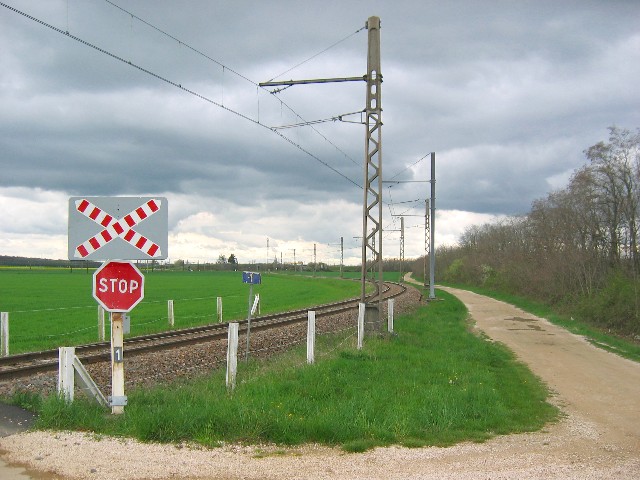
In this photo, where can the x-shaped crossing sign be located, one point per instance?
(102, 228)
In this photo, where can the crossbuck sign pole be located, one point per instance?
(118, 287)
(118, 399)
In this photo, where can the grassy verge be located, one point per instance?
(434, 383)
(600, 338)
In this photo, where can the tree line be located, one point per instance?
(577, 248)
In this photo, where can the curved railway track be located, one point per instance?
(22, 365)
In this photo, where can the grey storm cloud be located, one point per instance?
(508, 94)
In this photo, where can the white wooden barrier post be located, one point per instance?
(170, 313)
(256, 305)
(118, 399)
(311, 336)
(361, 310)
(4, 334)
(219, 309)
(70, 369)
(101, 329)
(391, 303)
(66, 373)
(232, 355)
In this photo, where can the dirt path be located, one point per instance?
(598, 438)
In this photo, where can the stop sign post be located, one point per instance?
(118, 287)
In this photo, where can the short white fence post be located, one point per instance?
(101, 331)
(361, 310)
(391, 303)
(66, 372)
(256, 304)
(311, 336)
(232, 355)
(219, 309)
(69, 368)
(170, 313)
(4, 334)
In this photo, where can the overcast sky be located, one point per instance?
(507, 93)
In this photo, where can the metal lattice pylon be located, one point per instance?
(372, 206)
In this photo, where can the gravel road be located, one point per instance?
(597, 438)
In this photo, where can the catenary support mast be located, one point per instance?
(372, 205)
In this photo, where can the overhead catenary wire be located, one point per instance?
(225, 67)
(409, 166)
(195, 50)
(324, 120)
(318, 54)
(184, 89)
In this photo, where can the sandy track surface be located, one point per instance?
(598, 436)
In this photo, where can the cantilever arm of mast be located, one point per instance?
(317, 80)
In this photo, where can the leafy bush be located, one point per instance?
(616, 306)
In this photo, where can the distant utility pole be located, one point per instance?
(429, 226)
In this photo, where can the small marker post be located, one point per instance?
(118, 399)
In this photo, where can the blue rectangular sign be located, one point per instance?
(251, 277)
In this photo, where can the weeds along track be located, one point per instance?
(26, 364)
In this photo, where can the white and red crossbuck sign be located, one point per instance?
(121, 227)
(114, 228)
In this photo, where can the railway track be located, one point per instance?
(24, 365)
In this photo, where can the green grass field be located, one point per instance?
(434, 383)
(49, 308)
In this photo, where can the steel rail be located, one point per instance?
(25, 364)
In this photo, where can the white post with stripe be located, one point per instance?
(256, 304)
(390, 306)
(66, 373)
(170, 314)
(4, 334)
(232, 355)
(361, 310)
(219, 309)
(311, 336)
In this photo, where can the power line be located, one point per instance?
(184, 89)
(225, 67)
(319, 53)
(180, 41)
(409, 166)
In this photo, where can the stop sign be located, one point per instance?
(118, 286)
